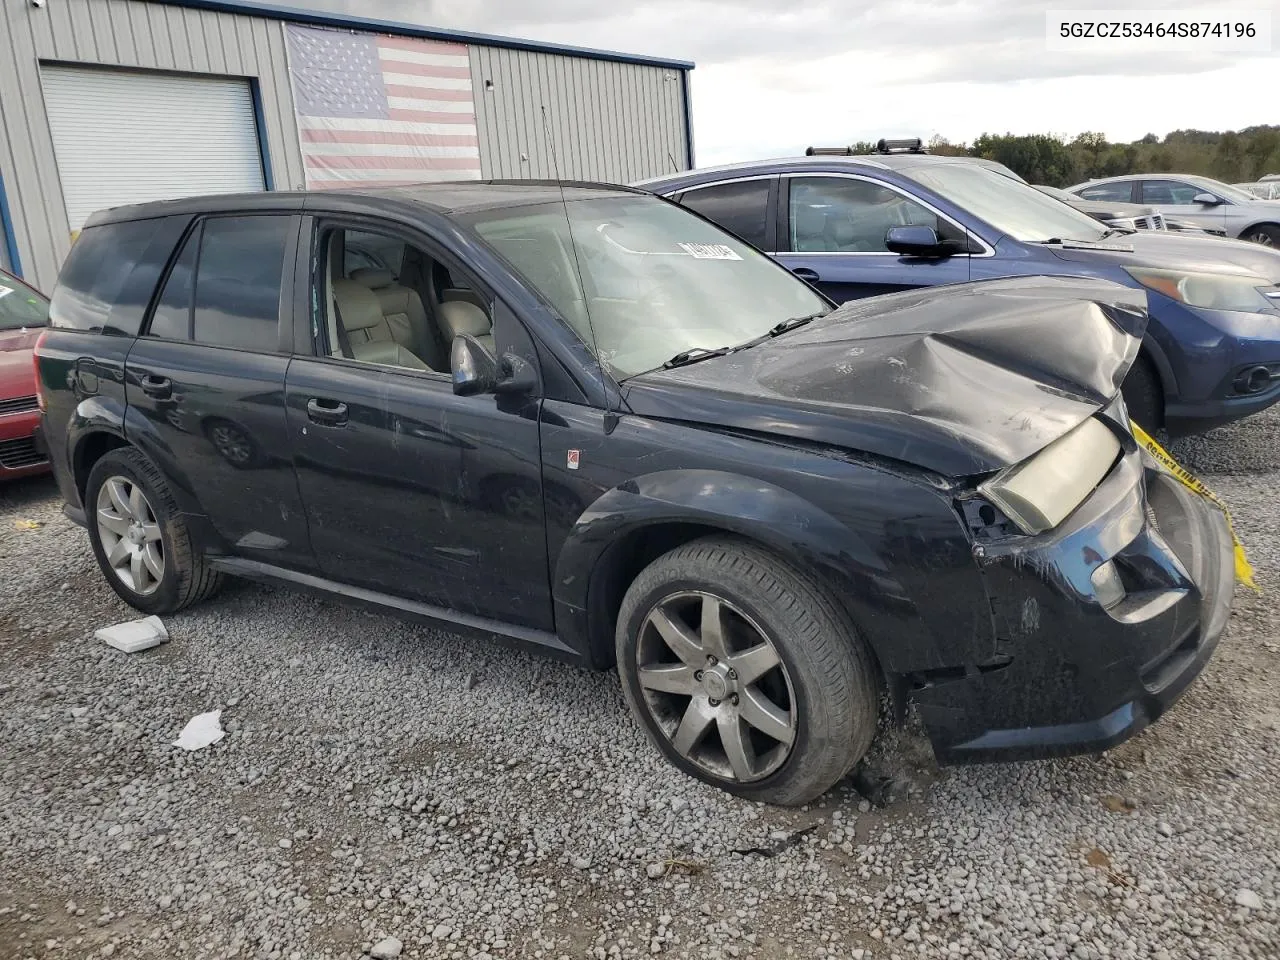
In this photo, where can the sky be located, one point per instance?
(775, 76)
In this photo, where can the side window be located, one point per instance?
(111, 273)
(1172, 192)
(741, 208)
(1121, 192)
(238, 281)
(841, 215)
(171, 318)
(391, 312)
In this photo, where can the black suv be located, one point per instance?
(586, 420)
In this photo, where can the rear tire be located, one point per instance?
(139, 537)
(781, 725)
(1144, 395)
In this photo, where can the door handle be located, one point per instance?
(159, 387)
(331, 413)
(805, 274)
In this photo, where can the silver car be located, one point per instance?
(1209, 204)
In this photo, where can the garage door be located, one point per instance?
(123, 137)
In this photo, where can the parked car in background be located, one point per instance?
(24, 311)
(1122, 216)
(770, 511)
(859, 226)
(1269, 190)
(1207, 203)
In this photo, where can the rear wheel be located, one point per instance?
(1144, 395)
(1266, 234)
(139, 537)
(746, 673)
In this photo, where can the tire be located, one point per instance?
(1267, 234)
(1144, 395)
(824, 683)
(185, 576)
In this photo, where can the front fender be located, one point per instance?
(753, 509)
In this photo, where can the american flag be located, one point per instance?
(379, 109)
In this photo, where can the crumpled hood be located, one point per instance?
(961, 380)
(1176, 251)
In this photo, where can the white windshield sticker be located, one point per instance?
(5, 291)
(709, 251)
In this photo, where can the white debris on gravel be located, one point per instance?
(526, 816)
(202, 730)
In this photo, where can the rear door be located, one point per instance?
(205, 383)
(834, 236)
(409, 489)
(1176, 199)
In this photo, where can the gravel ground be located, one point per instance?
(384, 787)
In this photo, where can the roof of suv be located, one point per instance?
(448, 197)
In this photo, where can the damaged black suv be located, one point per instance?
(588, 421)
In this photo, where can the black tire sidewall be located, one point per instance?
(123, 462)
(808, 738)
(1143, 395)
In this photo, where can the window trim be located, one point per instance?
(322, 221)
(284, 311)
(770, 207)
(987, 249)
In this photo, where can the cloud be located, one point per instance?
(774, 76)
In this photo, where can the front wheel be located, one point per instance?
(1265, 234)
(139, 537)
(746, 673)
(1143, 395)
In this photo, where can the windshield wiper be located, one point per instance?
(792, 322)
(686, 357)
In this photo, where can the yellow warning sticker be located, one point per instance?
(1244, 571)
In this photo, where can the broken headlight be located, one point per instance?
(1039, 493)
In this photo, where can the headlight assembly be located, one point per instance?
(1039, 493)
(1213, 291)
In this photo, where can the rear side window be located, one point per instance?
(1121, 192)
(237, 295)
(741, 208)
(111, 273)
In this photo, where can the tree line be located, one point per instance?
(1233, 156)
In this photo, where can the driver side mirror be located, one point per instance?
(1207, 199)
(475, 370)
(916, 240)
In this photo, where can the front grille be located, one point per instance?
(1152, 222)
(16, 454)
(17, 405)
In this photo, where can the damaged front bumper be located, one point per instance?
(1078, 669)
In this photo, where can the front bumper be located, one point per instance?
(1072, 676)
(22, 450)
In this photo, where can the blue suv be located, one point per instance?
(857, 226)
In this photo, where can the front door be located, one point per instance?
(1176, 200)
(205, 385)
(835, 238)
(409, 489)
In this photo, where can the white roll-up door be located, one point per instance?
(127, 137)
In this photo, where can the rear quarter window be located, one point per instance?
(111, 273)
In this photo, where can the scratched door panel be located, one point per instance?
(421, 493)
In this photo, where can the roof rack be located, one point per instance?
(914, 145)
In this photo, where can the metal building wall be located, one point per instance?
(123, 33)
(604, 120)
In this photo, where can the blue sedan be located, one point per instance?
(857, 226)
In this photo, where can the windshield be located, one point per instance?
(641, 280)
(1234, 194)
(20, 305)
(1013, 208)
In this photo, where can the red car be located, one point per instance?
(24, 311)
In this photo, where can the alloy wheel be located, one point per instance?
(130, 535)
(716, 686)
(1263, 238)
